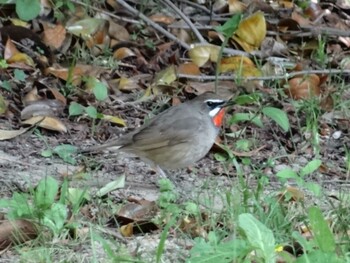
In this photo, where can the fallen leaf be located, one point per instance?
(50, 123)
(202, 53)
(9, 134)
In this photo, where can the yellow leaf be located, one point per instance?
(21, 57)
(114, 119)
(127, 230)
(200, 54)
(251, 32)
(243, 65)
(46, 122)
(166, 76)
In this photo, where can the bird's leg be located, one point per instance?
(161, 172)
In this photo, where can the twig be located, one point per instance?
(120, 18)
(153, 24)
(198, 6)
(276, 77)
(186, 19)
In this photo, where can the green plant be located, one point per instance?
(311, 111)
(25, 9)
(40, 207)
(320, 54)
(255, 237)
(299, 177)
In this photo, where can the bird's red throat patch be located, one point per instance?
(218, 118)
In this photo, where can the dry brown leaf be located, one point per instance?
(236, 6)
(8, 134)
(304, 87)
(300, 19)
(295, 194)
(10, 49)
(167, 20)
(16, 232)
(46, 122)
(123, 52)
(54, 35)
(118, 32)
(188, 68)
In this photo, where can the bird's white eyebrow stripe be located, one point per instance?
(215, 100)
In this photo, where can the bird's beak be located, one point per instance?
(229, 103)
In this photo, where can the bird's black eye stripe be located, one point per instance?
(214, 103)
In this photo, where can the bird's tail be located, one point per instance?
(99, 148)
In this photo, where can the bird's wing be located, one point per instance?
(158, 134)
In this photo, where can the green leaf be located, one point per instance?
(27, 9)
(279, 116)
(91, 112)
(46, 153)
(219, 252)
(20, 75)
(75, 109)
(238, 117)
(311, 167)
(319, 257)
(45, 193)
(247, 99)
(259, 236)
(6, 85)
(287, 174)
(55, 217)
(230, 26)
(100, 90)
(65, 152)
(321, 231)
(315, 188)
(111, 186)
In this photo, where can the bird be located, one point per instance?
(177, 137)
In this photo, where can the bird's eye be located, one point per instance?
(214, 103)
(210, 103)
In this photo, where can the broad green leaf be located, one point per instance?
(55, 217)
(27, 9)
(6, 85)
(315, 188)
(230, 26)
(321, 231)
(75, 109)
(247, 99)
(20, 75)
(91, 112)
(259, 236)
(45, 193)
(98, 88)
(219, 252)
(111, 186)
(319, 257)
(279, 116)
(311, 167)
(287, 174)
(65, 152)
(46, 153)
